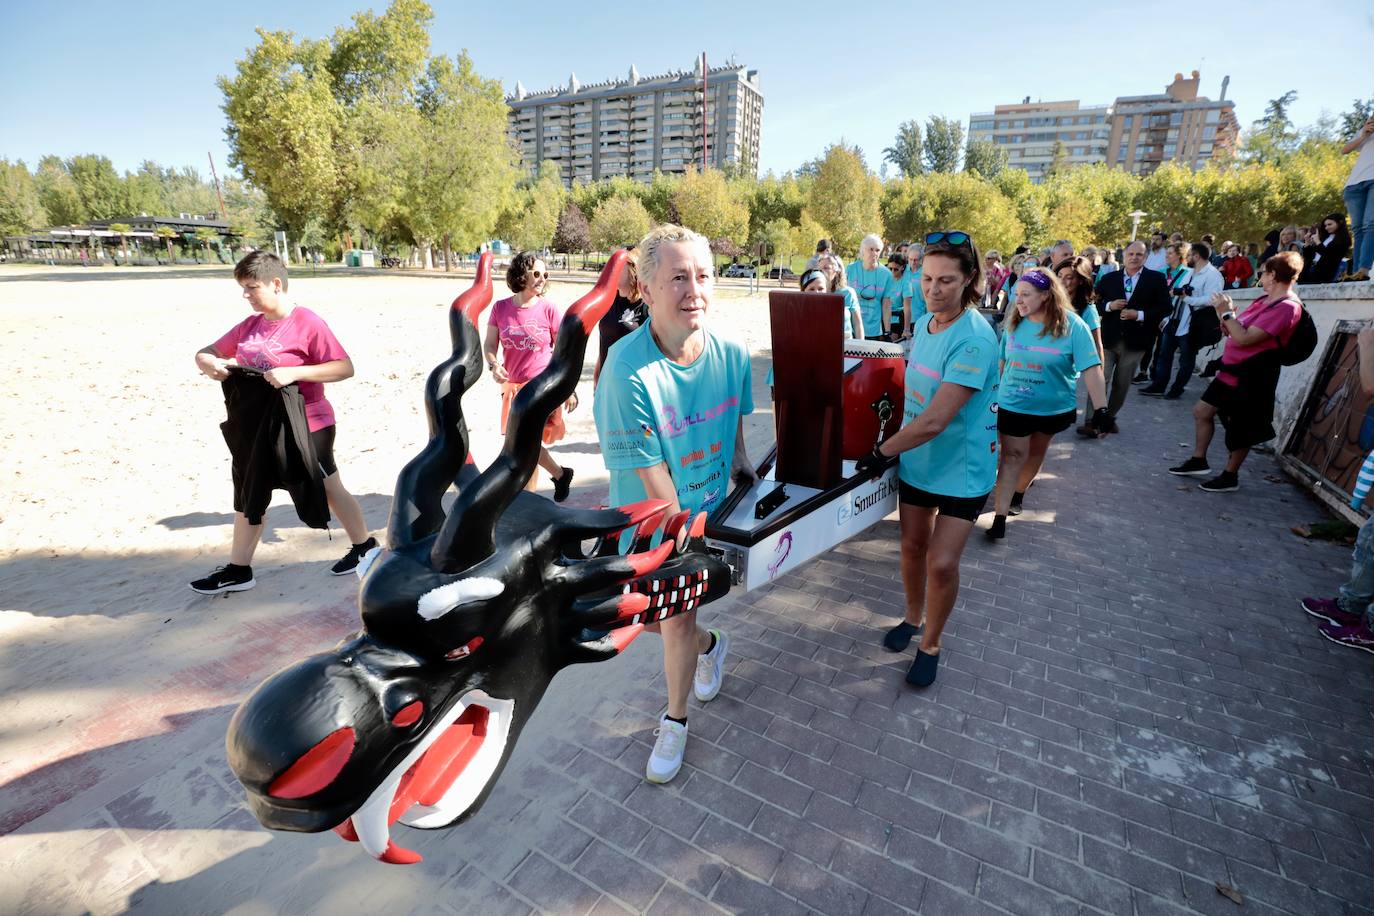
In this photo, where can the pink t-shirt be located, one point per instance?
(526, 335)
(1278, 318)
(300, 339)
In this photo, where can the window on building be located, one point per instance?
(1209, 133)
(1214, 116)
(1170, 149)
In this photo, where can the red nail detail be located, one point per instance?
(645, 508)
(396, 855)
(318, 766)
(625, 635)
(698, 526)
(643, 563)
(632, 603)
(675, 525)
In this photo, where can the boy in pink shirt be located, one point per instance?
(524, 328)
(290, 344)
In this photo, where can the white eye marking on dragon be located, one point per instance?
(437, 602)
(366, 562)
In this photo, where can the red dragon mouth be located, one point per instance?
(438, 780)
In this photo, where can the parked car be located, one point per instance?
(738, 270)
(781, 273)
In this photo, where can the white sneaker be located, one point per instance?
(666, 758)
(709, 673)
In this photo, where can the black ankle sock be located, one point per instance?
(229, 566)
(682, 721)
(712, 647)
(366, 545)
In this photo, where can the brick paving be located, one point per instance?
(1131, 710)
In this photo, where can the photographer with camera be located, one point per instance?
(1189, 328)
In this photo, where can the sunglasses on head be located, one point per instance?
(950, 238)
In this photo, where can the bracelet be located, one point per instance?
(1227, 316)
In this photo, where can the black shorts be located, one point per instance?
(323, 440)
(1011, 423)
(1247, 423)
(966, 507)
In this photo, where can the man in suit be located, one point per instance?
(1132, 301)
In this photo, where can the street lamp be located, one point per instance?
(1136, 216)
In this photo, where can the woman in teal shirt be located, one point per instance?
(948, 443)
(875, 287)
(1045, 347)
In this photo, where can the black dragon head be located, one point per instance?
(466, 617)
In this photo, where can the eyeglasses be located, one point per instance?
(536, 274)
(951, 238)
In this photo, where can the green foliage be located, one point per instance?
(984, 157)
(780, 240)
(1361, 110)
(618, 221)
(907, 150)
(1028, 202)
(57, 193)
(706, 204)
(531, 219)
(913, 207)
(1087, 205)
(944, 143)
(844, 198)
(20, 209)
(1272, 138)
(658, 197)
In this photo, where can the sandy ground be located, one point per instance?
(117, 492)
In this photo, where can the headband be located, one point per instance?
(1040, 281)
(814, 273)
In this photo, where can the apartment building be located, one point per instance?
(1136, 133)
(1032, 132)
(640, 125)
(1176, 126)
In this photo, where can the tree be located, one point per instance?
(778, 237)
(807, 233)
(944, 143)
(573, 234)
(57, 193)
(913, 207)
(166, 233)
(706, 205)
(1273, 136)
(20, 210)
(985, 158)
(619, 221)
(1361, 110)
(205, 235)
(122, 230)
(98, 186)
(1059, 160)
(907, 150)
(844, 198)
(530, 221)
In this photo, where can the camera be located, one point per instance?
(1185, 290)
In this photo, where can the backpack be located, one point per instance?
(1301, 341)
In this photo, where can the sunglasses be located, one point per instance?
(952, 238)
(536, 274)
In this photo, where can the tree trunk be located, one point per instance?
(448, 254)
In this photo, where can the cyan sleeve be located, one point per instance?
(970, 362)
(1084, 350)
(626, 423)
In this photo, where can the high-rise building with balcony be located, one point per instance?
(1136, 133)
(1177, 126)
(640, 125)
(1033, 133)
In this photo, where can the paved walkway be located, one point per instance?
(1131, 711)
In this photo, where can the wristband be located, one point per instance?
(1227, 316)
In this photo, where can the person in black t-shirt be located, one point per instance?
(626, 313)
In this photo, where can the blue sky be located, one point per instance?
(138, 82)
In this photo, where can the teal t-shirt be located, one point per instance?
(851, 305)
(1040, 374)
(911, 289)
(648, 410)
(1090, 317)
(962, 460)
(872, 287)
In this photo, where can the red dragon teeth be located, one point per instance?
(642, 510)
(632, 603)
(644, 563)
(670, 530)
(397, 855)
(622, 637)
(698, 528)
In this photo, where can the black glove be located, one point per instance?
(872, 464)
(1101, 420)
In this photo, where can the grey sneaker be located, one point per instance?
(666, 758)
(709, 674)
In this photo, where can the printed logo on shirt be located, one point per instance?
(261, 351)
(520, 337)
(674, 426)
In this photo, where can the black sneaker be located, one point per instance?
(899, 637)
(1151, 391)
(562, 485)
(998, 529)
(228, 578)
(1225, 482)
(1193, 467)
(1173, 395)
(1016, 501)
(1140, 377)
(354, 556)
(923, 670)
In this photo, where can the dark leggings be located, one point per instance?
(323, 440)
